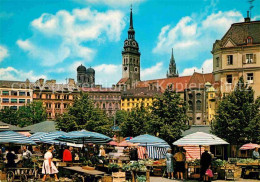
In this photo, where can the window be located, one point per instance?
(5, 92)
(21, 93)
(211, 95)
(13, 100)
(229, 78)
(28, 94)
(198, 95)
(249, 58)
(249, 40)
(217, 61)
(21, 100)
(198, 118)
(198, 105)
(190, 105)
(229, 59)
(28, 101)
(5, 100)
(190, 96)
(14, 93)
(250, 78)
(13, 107)
(104, 105)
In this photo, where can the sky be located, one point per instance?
(50, 38)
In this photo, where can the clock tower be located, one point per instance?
(131, 57)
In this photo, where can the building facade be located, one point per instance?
(136, 97)
(56, 98)
(130, 59)
(238, 54)
(15, 94)
(107, 99)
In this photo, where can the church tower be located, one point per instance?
(172, 68)
(131, 57)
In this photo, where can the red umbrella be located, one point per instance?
(126, 144)
(249, 146)
(114, 143)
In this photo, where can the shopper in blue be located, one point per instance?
(169, 164)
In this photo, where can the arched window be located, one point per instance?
(190, 96)
(249, 40)
(198, 95)
(198, 105)
(190, 105)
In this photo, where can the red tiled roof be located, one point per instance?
(99, 89)
(178, 83)
(198, 80)
(122, 81)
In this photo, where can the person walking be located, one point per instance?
(180, 163)
(48, 166)
(205, 163)
(170, 164)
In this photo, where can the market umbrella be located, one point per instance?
(126, 144)
(50, 138)
(149, 140)
(83, 136)
(249, 146)
(113, 143)
(15, 138)
(200, 139)
(36, 136)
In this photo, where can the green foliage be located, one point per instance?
(133, 123)
(237, 118)
(168, 116)
(141, 178)
(219, 163)
(26, 115)
(135, 166)
(113, 166)
(83, 115)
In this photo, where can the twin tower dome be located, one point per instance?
(85, 77)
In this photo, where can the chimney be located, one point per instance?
(41, 81)
(247, 19)
(71, 81)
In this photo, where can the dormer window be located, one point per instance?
(249, 40)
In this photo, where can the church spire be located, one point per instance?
(172, 68)
(131, 31)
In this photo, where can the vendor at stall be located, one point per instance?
(180, 163)
(10, 156)
(102, 151)
(255, 154)
(27, 154)
(67, 155)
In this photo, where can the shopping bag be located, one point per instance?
(209, 173)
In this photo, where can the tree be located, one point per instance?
(237, 118)
(168, 116)
(84, 115)
(26, 115)
(134, 122)
(9, 116)
(31, 114)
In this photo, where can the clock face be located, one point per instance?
(134, 44)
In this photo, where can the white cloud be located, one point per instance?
(153, 72)
(63, 35)
(115, 3)
(192, 35)
(11, 73)
(207, 67)
(108, 74)
(3, 53)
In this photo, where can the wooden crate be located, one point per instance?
(107, 179)
(118, 176)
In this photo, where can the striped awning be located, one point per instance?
(50, 138)
(84, 136)
(149, 140)
(200, 138)
(193, 152)
(15, 138)
(156, 152)
(37, 136)
(249, 146)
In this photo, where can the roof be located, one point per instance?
(81, 68)
(122, 81)
(196, 128)
(15, 84)
(198, 80)
(99, 89)
(141, 92)
(7, 127)
(239, 32)
(45, 126)
(90, 70)
(178, 83)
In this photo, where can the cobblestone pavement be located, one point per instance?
(160, 179)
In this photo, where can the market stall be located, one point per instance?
(198, 139)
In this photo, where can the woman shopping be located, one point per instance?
(48, 166)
